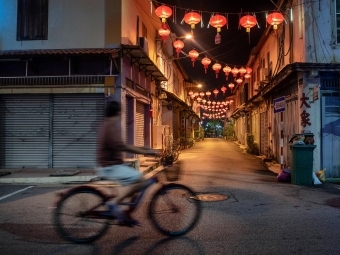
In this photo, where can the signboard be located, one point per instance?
(279, 104)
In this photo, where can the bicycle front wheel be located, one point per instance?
(79, 215)
(173, 210)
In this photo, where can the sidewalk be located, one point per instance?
(147, 165)
(69, 176)
(271, 165)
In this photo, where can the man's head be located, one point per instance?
(112, 108)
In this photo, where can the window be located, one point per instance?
(337, 14)
(32, 20)
(144, 31)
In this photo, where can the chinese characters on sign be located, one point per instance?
(305, 115)
(316, 92)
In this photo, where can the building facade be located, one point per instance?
(295, 85)
(60, 61)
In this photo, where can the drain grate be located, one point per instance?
(211, 197)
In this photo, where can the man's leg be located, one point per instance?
(129, 190)
(131, 180)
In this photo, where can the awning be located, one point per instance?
(175, 98)
(139, 57)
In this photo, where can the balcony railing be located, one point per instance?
(52, 80)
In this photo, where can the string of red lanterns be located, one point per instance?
(218, 21)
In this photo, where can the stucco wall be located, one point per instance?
(72, 24)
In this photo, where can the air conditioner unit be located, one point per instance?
(264, 74)
(143, 43)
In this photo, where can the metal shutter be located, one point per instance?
(140, 126)
(75, 122)
(24, 131)
(330, 133)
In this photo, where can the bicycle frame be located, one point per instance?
(132, 205)
(103, 214)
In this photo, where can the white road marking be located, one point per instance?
(18, 191)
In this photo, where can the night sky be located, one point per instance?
(235, 46)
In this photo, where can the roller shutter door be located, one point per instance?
(76, 118)
(140, 126)
(24, 131)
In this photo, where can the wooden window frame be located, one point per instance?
(32, 20)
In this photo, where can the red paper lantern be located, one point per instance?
(163, 33)
(226, 70)
(215, 92)
(275, 19)
(193, 55)
(242, 71)
(234, 71)
(202, 94)
(163, 12)
(191, 93)
(192, 18)
(239, 81)
(248, 21)
(231, 85)
(216, 67)
(249, 70)
(206, 62)
(178, 45)
(208, 93)
(223, 89)
(218, 21)
(247, 75)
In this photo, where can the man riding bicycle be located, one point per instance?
(110, 148)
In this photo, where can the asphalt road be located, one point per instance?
(257, 215)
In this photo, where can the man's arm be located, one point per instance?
(137, 150)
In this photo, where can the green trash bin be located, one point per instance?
(302, 164)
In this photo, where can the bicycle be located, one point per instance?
(81, 215)
(171, 149)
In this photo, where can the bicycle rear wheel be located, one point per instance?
(173, 209)
(79, 216)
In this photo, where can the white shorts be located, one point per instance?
(123, 174)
